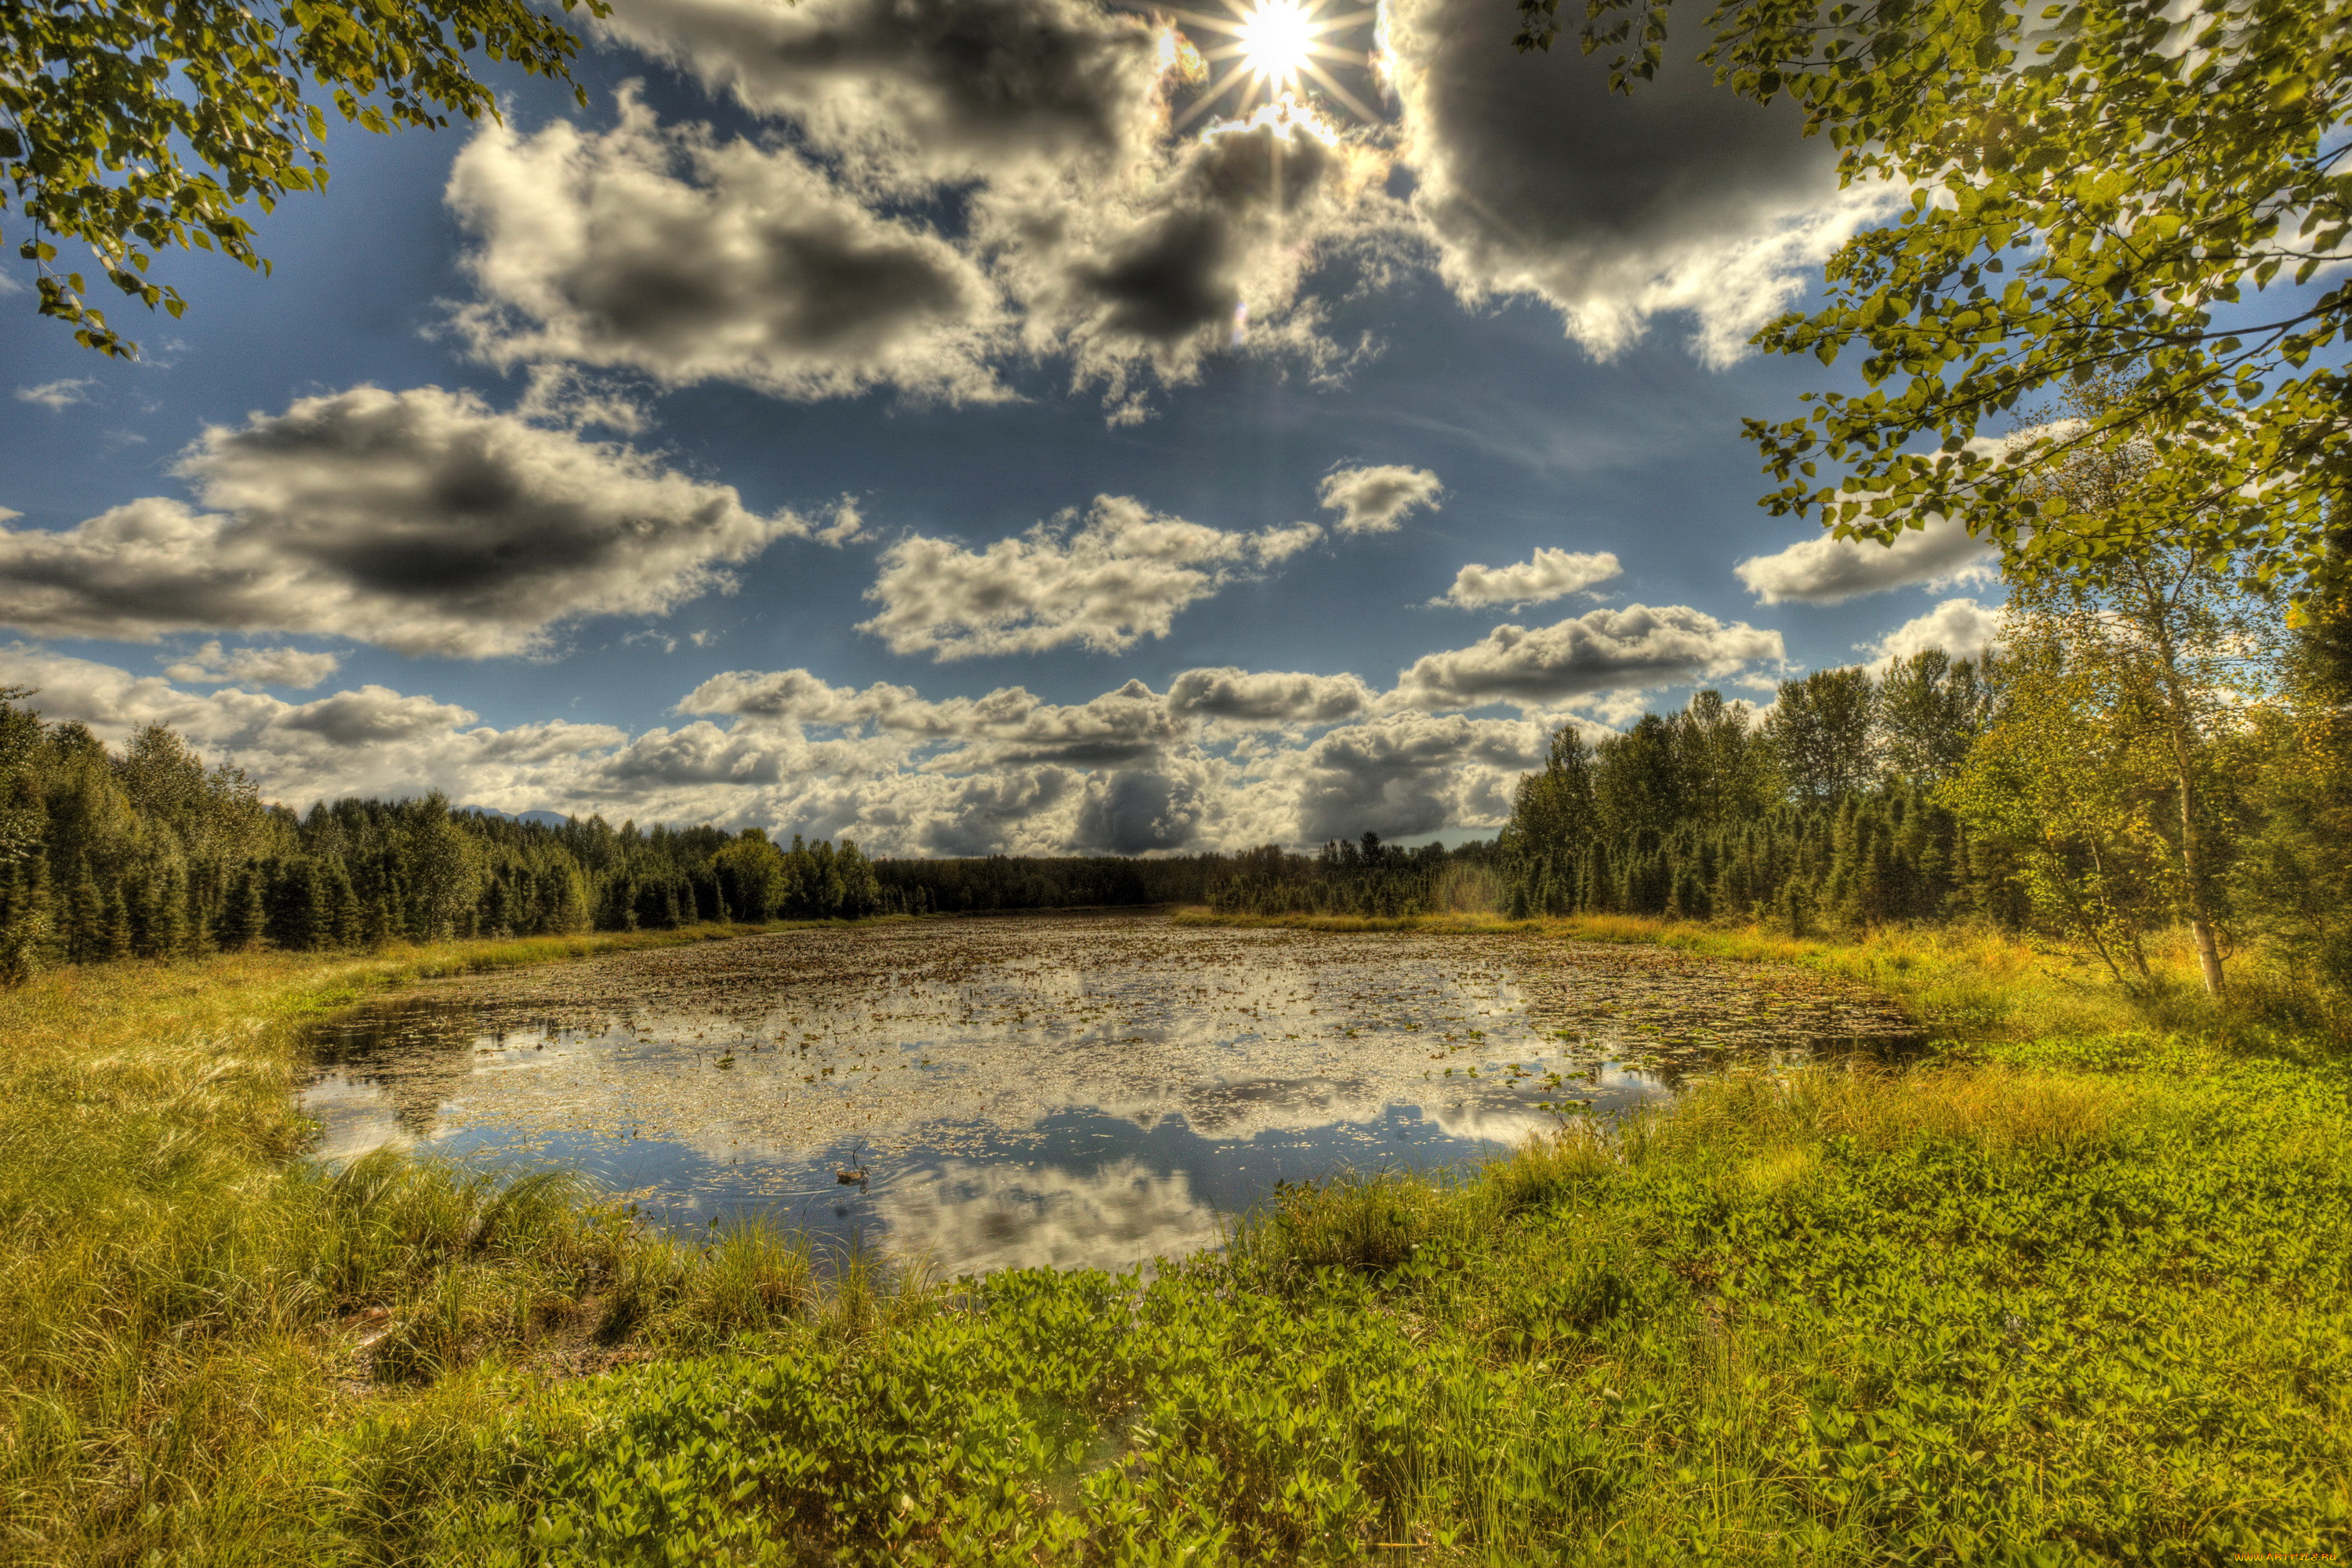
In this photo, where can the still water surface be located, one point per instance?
(1072, 1091)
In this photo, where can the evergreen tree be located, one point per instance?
(244, 915)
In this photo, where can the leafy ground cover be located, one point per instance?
(2077, 1296)
(2081, 1303)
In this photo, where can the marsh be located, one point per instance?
(1075, 1091)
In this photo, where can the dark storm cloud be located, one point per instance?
(936, 89)
(417, 520)
(1137, 809)
(1533, 178)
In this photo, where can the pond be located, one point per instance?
(1068, 1089)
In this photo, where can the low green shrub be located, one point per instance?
(2088, 1303)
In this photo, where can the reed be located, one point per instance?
(180, 1291)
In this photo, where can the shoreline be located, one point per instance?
(1624, 1309)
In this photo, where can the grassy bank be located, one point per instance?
(2063, 1306)
(2080, 1292)
(1965, 984)
(177, 1294)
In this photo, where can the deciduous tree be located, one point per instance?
(2152, 186)
(132, 126)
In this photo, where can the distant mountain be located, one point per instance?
(546, 818)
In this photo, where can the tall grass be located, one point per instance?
(2081, 1292)
(1963, 982)
(2027, 1310)
(179, 1291)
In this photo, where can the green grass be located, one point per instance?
(2055, 1309)
(2076, 1292)
(178, 1293)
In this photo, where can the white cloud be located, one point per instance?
(1121, 576)
(1603, 650)
(794, 697)
(1376, 500)
(912, 93)
(418, 519)
(1206, 248)
(1961, 627)
(1546, 576)
(668, 251)
(1826, 570)
(254, 666)
(1409, 773)
(57, 395)
(1225, 758)
(373, 741)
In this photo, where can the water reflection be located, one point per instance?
(1057, 1090)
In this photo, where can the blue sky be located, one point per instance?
(841, 426)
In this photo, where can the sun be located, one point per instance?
(1274, 44)
(1277, 41)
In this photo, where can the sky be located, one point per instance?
(969, 427)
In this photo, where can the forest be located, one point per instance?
(2160, 747)
(2170, 751)
(149, 853)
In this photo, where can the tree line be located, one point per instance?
(152, 854)
(1828, 811)
(2162, 743)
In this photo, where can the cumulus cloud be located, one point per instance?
(1136, 810)
(57, 395)
(1826, 570)
(959, 184)
(1603, 650)
(1964, 628)
(373, 741)
(912, 92)
(1008, 726)
(1376, 500)
(1266, 699)
(1546, 576)
(286, 667)
(1411, 773)
(1534, 179)
(1059, 220)
(795, 697)
(1120, 575)
(418, 519)
(1225, 758)
(1205, 247)
(665, 250)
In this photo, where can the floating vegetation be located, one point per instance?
(1061, 1048)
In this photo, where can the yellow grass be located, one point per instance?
(176, 1297)
(1962, 981)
